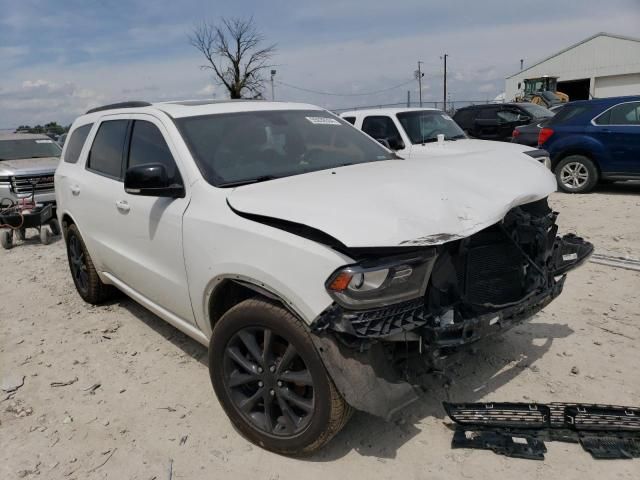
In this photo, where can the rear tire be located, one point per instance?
(55, 227)
(271, 381)
(6, 239)
(84, 274)
(576, 174)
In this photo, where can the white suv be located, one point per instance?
(323, 272)
(423, 133)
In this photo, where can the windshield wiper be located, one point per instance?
(239, 183)
(456, 137)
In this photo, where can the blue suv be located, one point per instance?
(594, 141)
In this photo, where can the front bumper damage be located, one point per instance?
(479, 286)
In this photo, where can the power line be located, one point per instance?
(344, 94)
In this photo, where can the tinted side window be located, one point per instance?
(75, 143)
(351, 120)
(380, 127)
(487, 113)
(148, 146)
(106, 152)
(626, 114)
(509, 115)
(464, 118)
(568, 112)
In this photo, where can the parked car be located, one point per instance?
(27, 164)
(528, 134)
(413, 133)
(61, 139)
(318, 266)
(592, 141)
(497, 121)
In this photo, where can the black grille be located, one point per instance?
(494, 273)
(388, 320)
(23, 184)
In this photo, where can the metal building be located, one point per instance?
(603, 65)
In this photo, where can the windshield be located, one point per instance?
(536, 111)
(424, 126)
(28, 148)
(238, 148)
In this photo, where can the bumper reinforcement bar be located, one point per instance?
(519, 429)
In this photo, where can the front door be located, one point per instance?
(153, 225)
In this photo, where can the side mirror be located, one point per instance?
(151, 180)
(396, 143)
(384, 141)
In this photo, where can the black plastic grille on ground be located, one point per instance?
(519, 429)
(388, 320)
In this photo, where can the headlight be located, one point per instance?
(381, 282)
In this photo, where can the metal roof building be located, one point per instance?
(603, 65)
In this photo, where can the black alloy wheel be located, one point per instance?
(268, 381)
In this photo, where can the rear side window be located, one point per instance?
(75, 143)
(351, 120)
(105, 156)
(623, 114)
(148, 146)
(568, 112)
(464, 118)
(488, 113)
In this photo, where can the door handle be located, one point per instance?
(123, 206)
(75, 190)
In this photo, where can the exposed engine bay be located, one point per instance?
(477, 286)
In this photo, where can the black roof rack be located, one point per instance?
(113, 106)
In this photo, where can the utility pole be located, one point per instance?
(521, 64)
(419, 76)
(408, 98)
(444, 93)
(273, 93)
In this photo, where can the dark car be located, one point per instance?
(528, 134)
(497, 121)
(591, 141)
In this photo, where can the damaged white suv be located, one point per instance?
(323, 272)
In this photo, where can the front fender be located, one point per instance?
(219, 244)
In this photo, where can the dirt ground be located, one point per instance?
(134, 400)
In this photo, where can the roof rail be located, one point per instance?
(113, 106)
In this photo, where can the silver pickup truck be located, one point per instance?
(27, 162)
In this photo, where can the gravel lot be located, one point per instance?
(134, 400)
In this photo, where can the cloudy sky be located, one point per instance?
(58, 58)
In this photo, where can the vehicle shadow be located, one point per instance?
(474, 375)
(617, 188)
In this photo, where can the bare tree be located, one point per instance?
(233, 49)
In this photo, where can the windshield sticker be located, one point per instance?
(323, 121)
(44, 141)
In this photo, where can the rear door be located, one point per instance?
(485, 125)
(618, 129)
(94, 192)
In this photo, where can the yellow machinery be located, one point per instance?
(542, 91)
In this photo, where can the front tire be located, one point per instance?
(576, 174)
(271, 381)
(84, 274)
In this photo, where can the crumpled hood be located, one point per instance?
(29, 166)
(465, 146)
(401, 202)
